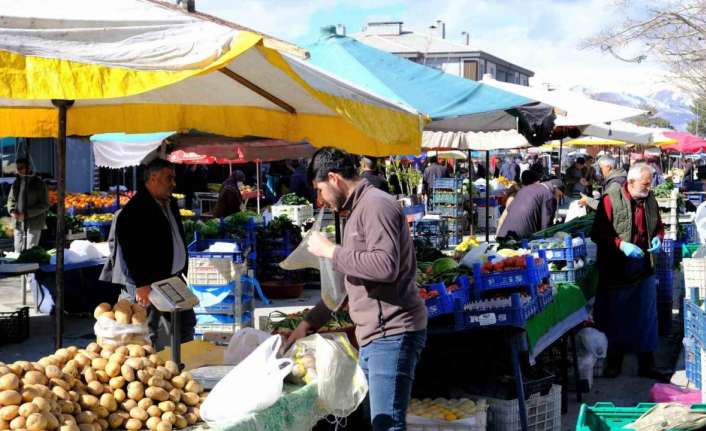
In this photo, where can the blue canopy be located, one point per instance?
(453, 103)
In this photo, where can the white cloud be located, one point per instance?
(541, 35)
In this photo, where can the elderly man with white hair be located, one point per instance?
(613, 177)
(627, 229)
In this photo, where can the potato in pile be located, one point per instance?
(123, 312)
(95, 389)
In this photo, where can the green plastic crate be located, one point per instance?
(607, 417)
(688, 249)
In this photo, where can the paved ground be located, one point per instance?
(625, 391)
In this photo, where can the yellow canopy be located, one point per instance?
(591, 141)
(138, 66)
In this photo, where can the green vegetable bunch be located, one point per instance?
(34, 255)
(293, 199)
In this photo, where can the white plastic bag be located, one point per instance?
(574, 211)
(111, 333)
(333, 291)
(340, 382)
(253, 385)
(242, 344)
(700, 222)
(592, 346)
(86, 250)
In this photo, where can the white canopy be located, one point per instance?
(475, 141)
(628, 132)
(573, 109)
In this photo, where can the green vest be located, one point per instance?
(622, 214)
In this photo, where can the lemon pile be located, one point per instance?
(468, 243)
(443, 409)
(99, 218)
(186, 213)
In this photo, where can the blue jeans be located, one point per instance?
(389, 365)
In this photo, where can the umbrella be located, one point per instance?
(591, 141)
(452, 154)
(574, 109)
(452, 103)
(475, 141)
(123, 150)
(686, 143)
(141, 66)
(628, 132)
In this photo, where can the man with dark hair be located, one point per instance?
(433, 171)
(378, 261)
(370, 173)
(151, 236)
(575, 181)
(532, 210)
(28, 204)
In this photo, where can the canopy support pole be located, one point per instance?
(561, 150)
(257, 188)
(487, 196)
(63, 106)
(258, 90)
(470, 190)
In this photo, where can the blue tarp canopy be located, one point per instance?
(453, 103)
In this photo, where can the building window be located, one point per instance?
(470, 70)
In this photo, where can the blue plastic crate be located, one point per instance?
(444, 197)
(545, 298)
(532, 275)
(442, 304)
(694, 321)
(463, 293)
(429, 227)
(695, 197)
(482, 202)
(570, 275)
(198, 249)
(414, 209)
(515, 314)
(448, 183)
(446, 211)
(692, 360)
(567, 253)
(454, 240)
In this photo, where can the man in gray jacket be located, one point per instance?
(613, 177)
(28, 204)
(378, 260)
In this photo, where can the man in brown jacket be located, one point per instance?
(378, 260)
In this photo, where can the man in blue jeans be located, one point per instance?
(378, 260)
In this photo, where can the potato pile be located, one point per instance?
(124, 312)
(95, 389)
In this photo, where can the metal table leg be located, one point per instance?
(519, 384)
(23, 282)
(564, 374)
(577, 378)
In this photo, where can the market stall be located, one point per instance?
(237, 83)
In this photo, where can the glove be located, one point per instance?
(656, 245)
(631, 250)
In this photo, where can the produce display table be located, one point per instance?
(83, 291)
(298, 409)
(308, 299)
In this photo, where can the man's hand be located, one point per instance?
(142, 295)
(631, 250)
(583, 201)
(301, 331)
(320, 246)
(18, 216)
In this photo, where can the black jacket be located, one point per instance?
(145, 238)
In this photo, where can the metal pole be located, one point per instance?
(257, 189)
(487, 196)
(63, 106)
(470, 186)
(561, 150)
(176, 337)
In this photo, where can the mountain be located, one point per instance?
(671, 105)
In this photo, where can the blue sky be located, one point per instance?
(542, 35)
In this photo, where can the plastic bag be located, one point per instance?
(300, 258)
(333, 291)
(86, 250)
(253, 385)
(339, 380)
(476, 255)
(592, 346)
(700, 222)
(242, 344)
(666, 393)
(574, 211)
(111, 333)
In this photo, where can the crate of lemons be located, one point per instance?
(447, 411)
(98, 388)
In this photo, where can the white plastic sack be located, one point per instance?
(111, 333)
(700, 222)
(300, 258)
(86, 250)
(574, 211)
(593, 341)
(476, 255)
(70, 257)
(253, 385)
(340, 382)
(242, 344)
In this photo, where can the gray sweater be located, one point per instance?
(378, 259)
(532, 210)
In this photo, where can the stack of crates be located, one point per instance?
(665, 285)
(694, 337)
(447, 202)
(221, 282)
(669, 214)
(488, 212)
(433, 230)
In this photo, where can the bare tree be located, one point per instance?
(672, 32)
